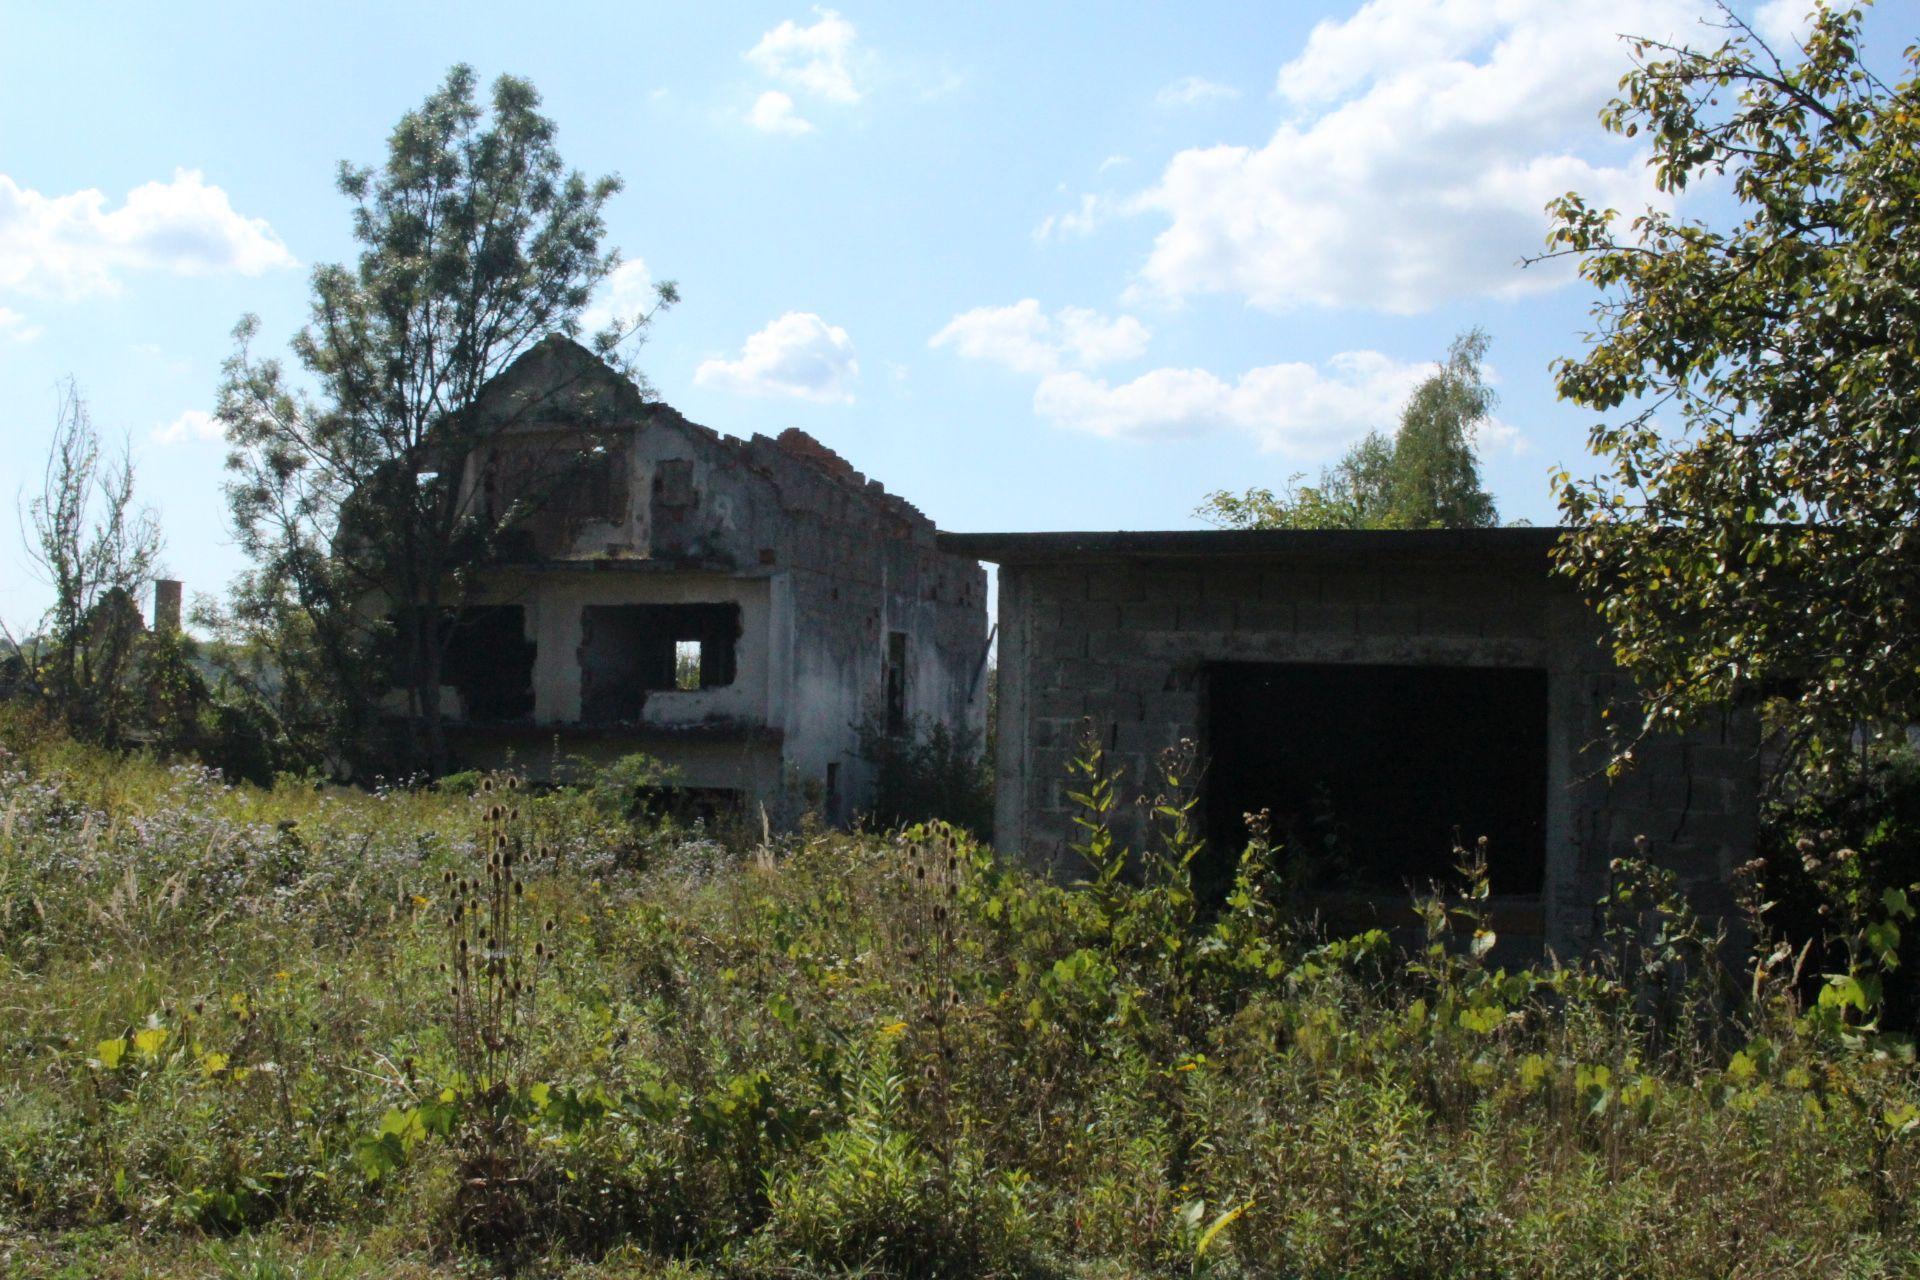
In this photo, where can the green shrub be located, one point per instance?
(932, 773)
(231, 1046)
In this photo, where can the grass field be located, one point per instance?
(320, 1032)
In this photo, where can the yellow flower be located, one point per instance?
(894, 1029)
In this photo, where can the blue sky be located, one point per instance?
(1034, 266)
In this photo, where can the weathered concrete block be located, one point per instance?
(1150, 615)
(1446, 620)
(1081, 675)
(1325, 619)
(1053, 644)
(1287, 585)
(1231, 583)
(1195, 616)
(1385, 620)
(1089, 616)
(1111, 583)
(1351, 588)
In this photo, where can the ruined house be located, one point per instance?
(1375, 693)
(741, 610)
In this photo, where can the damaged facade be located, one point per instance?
(1375, 692)
(741, 610)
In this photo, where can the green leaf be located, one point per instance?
(1482, 1020)
(1843, 991)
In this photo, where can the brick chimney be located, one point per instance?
(166, 605)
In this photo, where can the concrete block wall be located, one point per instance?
(1124, 645)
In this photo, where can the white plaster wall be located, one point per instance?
(553, 604)
(823, 707)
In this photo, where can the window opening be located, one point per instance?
(630, 651)
(686, 665)
(895, 678)
(485, 658)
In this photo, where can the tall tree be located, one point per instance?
(1426, 476)
(96, 546)
(1752, 529)
(475, 243)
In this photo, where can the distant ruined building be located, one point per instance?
(744, 610)
(741, 610)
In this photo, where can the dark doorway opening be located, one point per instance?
(1369, 770)
(628, 651)
(489, 659)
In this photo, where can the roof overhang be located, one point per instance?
(1518, 545)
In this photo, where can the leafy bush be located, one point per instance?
(934, 773)
(1867, 805)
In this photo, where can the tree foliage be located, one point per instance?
(1752, 529)
(475, 243)
(1427, 476)
(95, 545)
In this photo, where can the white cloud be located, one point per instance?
(1427, 137)
(14, 326)
(1497, 435)
(1784, 24)
(1083, 221)
(622, 296)
(1113, 162)
(815, 59)
(194, 424)
(773, 113)
(1294, 408)
(1025, 339)
(73, 245)
(799, 355)
(1189, 91)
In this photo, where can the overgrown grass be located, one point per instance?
(234, 1041)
